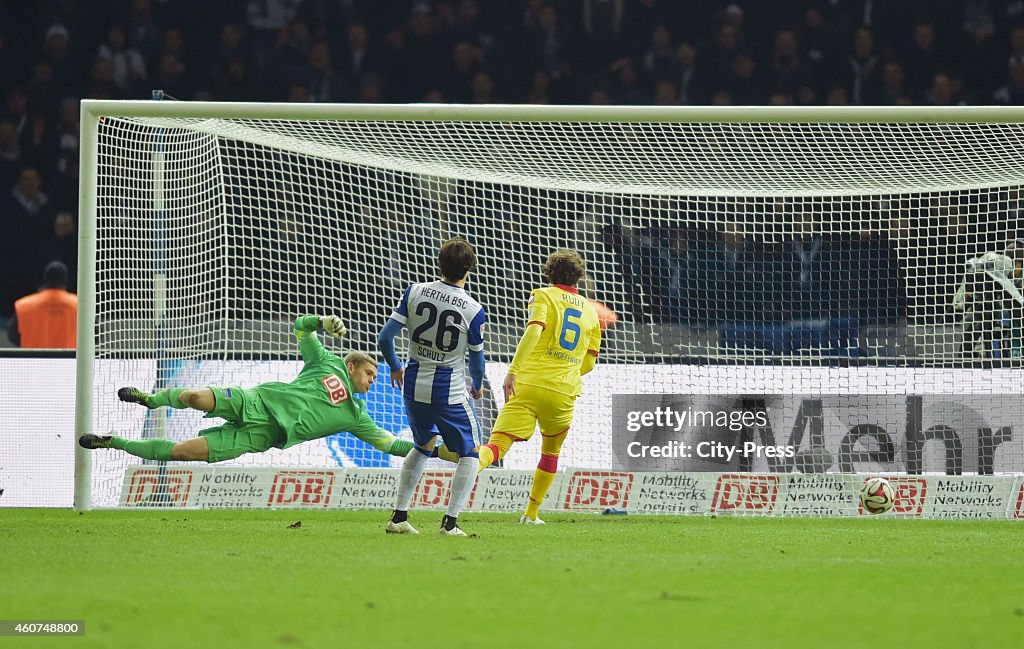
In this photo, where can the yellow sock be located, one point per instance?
(542, 479)
(495, 449)
(541, 483)
(445, 453)
(486, 457)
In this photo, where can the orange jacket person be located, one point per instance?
(47, 319)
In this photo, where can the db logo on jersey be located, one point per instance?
(754, 494)
(336, 390)
(589, 490)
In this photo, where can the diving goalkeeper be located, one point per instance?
(320, 401)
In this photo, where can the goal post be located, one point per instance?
(850, 269)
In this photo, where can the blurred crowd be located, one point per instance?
(800, 52)
(708, 262)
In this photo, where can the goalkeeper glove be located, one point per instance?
(332, 326)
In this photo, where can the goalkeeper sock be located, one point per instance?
(147, 449)
(412, 469)
(169, 397)
(400, 447)
(462, 485)
(542, 479)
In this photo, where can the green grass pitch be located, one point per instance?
(224, 579)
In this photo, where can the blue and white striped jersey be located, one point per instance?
(443, 322)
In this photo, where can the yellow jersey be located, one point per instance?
(571, 331)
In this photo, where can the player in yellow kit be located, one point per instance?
(561, 343)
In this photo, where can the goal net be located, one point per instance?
(853, 275)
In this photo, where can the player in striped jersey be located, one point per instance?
(444, 322)
(561, 343)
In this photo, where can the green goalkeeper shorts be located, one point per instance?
(249, 427)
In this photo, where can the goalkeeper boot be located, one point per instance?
(399, 524)
(450, 526)
(133, 395)
(91, 441)
(526, 520)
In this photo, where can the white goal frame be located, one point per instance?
(92, 111)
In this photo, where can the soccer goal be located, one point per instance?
(848, 276)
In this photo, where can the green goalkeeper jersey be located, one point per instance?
(320, 401)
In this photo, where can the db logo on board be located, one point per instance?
(301, 489)
(754, 494)
(590, 490)
(1019, 512)
(910, 494)
(158, 488)
(433, 489)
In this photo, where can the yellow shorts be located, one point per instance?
(531, 406)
